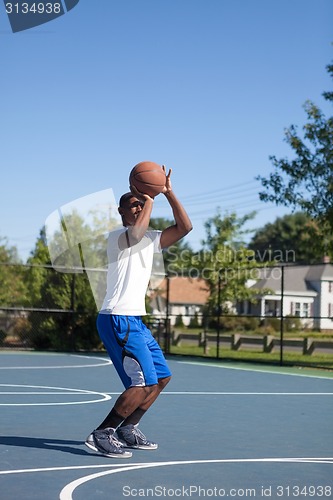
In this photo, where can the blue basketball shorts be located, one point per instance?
(134, 352)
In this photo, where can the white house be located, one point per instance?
(307, 293)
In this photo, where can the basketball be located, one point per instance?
(148, 178)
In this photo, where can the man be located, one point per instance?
(134, 352)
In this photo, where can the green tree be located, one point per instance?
(13, 289)
(306, 182)
(52, 289)
(225, 262)
(177, 258)
(293, 238)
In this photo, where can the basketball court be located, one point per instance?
(224, 430)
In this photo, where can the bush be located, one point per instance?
(292, 324)
(239, 323)
(250, 323)
(179, 321)
(194, 322)
(3, 335)
(266, 330)
(273, 323)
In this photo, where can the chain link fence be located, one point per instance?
(287, 320)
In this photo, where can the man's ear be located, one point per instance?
(120, 211)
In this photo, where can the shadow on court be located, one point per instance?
(63, 445)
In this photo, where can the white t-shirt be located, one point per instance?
(129, 272)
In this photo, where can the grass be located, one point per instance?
(290, 358)
(297, 334)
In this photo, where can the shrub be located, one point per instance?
(179, 321)
(3, 335)
(194, 322)
(273, 323)
(292, 324)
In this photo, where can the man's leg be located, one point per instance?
(127, 403)
(135, 417)
(152, 361)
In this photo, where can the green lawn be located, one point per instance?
(314, 360)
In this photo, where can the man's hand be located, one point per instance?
(167, 188)
(139, 195)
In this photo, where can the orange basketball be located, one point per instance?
(148, 178)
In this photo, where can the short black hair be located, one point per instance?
(125, 197)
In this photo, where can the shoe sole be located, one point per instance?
(138, 446)
(125, 454)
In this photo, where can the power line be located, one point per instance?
(238, 187)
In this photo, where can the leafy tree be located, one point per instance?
(177, 258)
(56, 290)
(225, 262)
(13, 290)
(294, 238)
(306, 182)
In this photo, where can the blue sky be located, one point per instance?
(203, 86)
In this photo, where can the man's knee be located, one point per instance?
(149, 389)
(162, 382)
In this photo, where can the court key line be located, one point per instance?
(269, 370)
(105, 397)
(105, 362)
(212, 393)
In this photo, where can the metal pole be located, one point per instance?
(281, 316)
(218, 316)
(72, 338)
(167, 319)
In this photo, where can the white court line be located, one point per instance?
(212, 393)
(248, 369)
(249, 393)
(323, 460)
(67, 491)
(105, 362)
(40, 393)
(105, 397)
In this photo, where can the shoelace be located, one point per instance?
(113, 440)
(138, 434)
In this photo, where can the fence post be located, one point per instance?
(218, 316)
(167, 318)
(72, 338)
(308, 346)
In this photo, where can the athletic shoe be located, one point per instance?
(130, 436)
(105, 441)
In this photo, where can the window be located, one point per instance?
(330, 310)
(297, 311)
(302, 310)
(306, 310)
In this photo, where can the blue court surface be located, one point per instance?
(224, 431)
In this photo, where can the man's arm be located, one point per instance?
(182, 225)
(138, 230)
(134, 233)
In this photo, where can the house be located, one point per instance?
(187, 296)
(307, 293)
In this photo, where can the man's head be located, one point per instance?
(129, 208)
